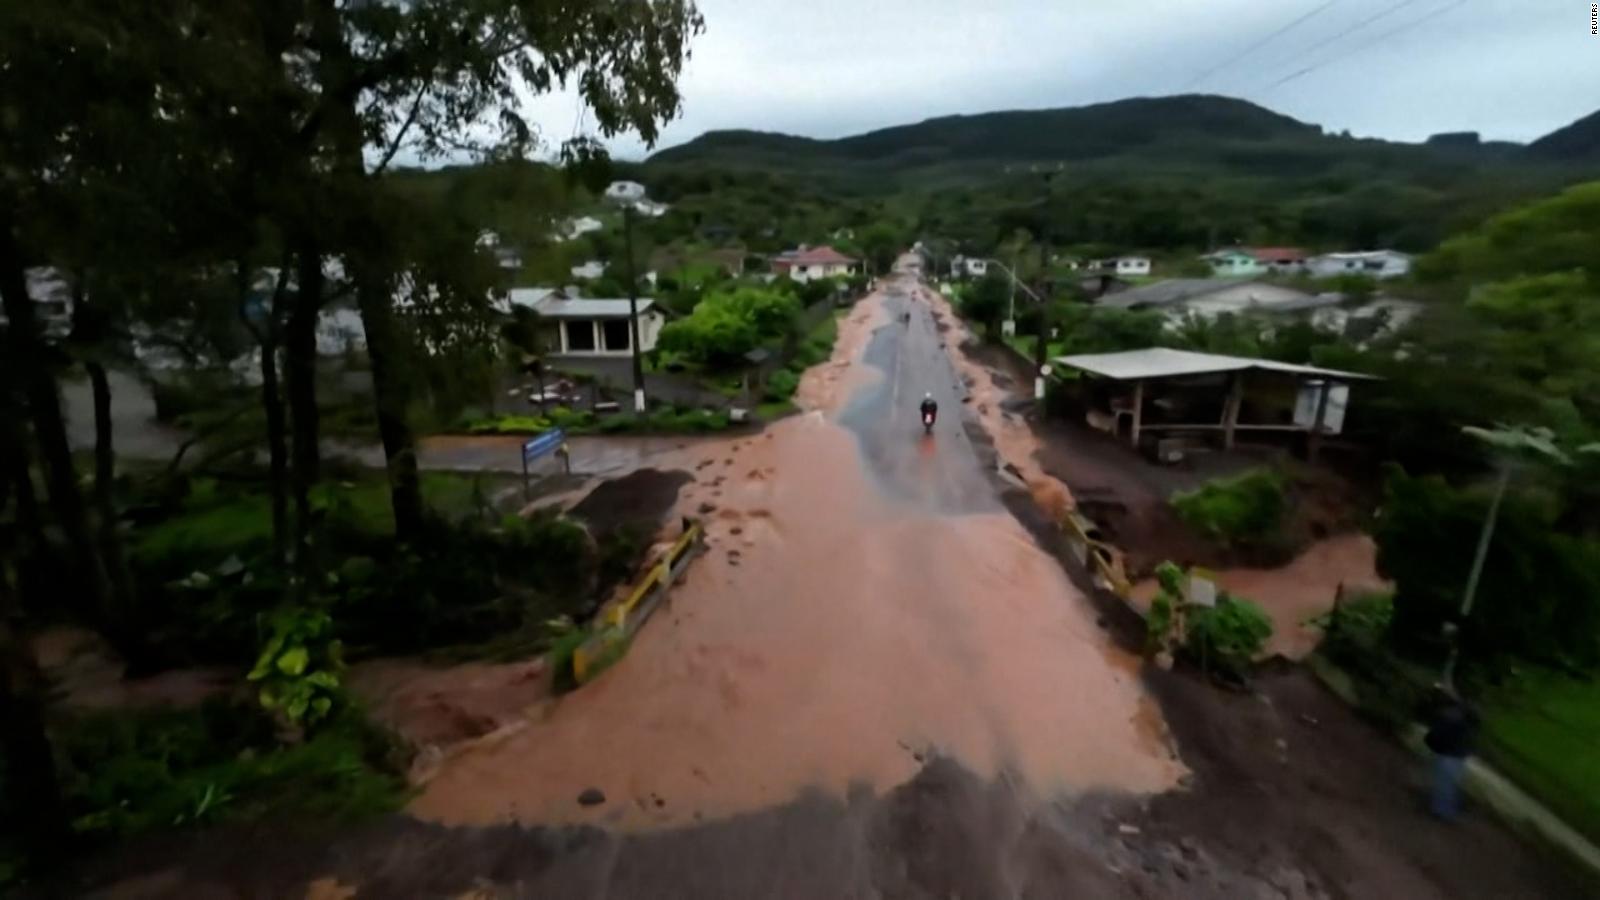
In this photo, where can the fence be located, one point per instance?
(619, 623)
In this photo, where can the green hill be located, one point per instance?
(1578, 143)
(1189, 131)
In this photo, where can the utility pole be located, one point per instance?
(633, 310)
(1475, 574)
(628, 195)
(1041, 354)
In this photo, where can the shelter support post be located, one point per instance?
(1138, 413)
(1230, 408)
(1314, 444)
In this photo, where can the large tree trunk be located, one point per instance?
(124, 595)
(267, 339)
(32, 786)
(393, 396)
(28, 354)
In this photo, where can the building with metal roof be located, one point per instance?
(1179, 397)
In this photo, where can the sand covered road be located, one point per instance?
(864, 605)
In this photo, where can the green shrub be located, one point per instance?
(1229, 635)
(1243, 509)
(727, 324)
(1539, 597)
(299, 667)
(781, 385)
(131, 773)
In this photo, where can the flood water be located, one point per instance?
(863, 604)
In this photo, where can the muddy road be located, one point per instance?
(876, 683)
(866, 604)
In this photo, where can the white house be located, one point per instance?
(1371, 263)
(1234, 264)
(973, 267)
(809, 264)
(589, 271)
(1128, 265)
(598, 327)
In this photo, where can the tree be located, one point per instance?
(881, 242)
(985, 302)
(728, 324)
(432, 77)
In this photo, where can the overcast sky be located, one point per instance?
(1511, 69)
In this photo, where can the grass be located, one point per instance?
(1241, 509)
(1024, 344)
(216, 518)
(1541, 730)
(133, 773)
(663, 420)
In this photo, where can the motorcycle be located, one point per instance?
(927, 421)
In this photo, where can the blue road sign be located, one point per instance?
(543, 444)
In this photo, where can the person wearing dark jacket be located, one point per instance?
(1452, 737)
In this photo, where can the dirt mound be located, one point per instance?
(643, 497)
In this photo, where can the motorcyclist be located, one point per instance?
(930, 409)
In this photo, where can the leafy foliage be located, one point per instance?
(299, 667)
(1243, 509)
(132, 773)
(728, 324)
(1229, 635)
(1540, 593)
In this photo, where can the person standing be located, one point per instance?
(1452, 737)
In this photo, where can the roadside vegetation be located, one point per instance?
(214, 231)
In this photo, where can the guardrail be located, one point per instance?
(1103, 561)
(620, 622)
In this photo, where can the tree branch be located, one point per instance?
(411, 118)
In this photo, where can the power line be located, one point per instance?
(1391, 10)
(1256, 46)
(1398, 29)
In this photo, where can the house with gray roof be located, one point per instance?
(597, 326)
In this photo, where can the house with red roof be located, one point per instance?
(1281, 260)
(811, 263)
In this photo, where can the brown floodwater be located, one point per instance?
(1301, 591)
(830, 637)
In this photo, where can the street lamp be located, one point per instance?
(1511, 446)
(628, 195)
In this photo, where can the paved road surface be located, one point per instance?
(941, 471)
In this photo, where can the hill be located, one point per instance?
(1578, 143)
(1157, 126)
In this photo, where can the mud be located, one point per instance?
(1292, 797)
(640, 498)
(880, 701)
(845, 640)
(1296, 593)
(85, 674)
(435, 707)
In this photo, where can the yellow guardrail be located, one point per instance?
(1103, 560)
(618, 623)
